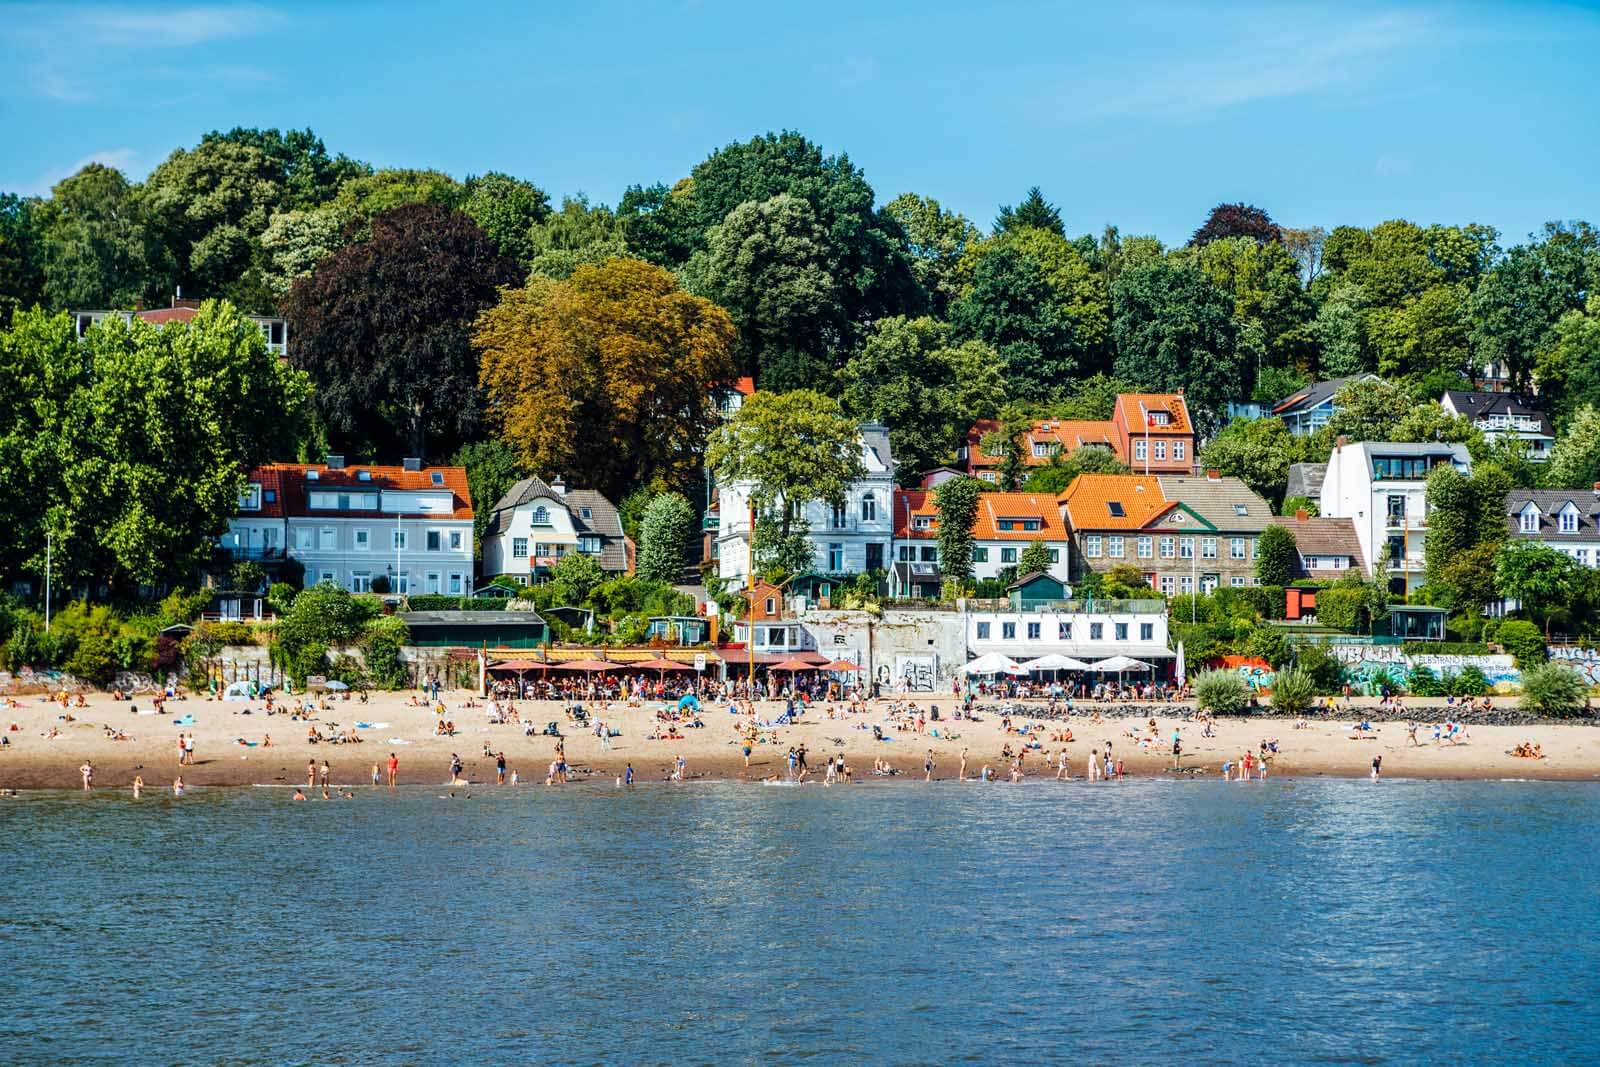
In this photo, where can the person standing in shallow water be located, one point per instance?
(87, 771)
(927, 767)
(1377, 767)
(394, 769)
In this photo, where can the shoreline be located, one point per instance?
(712, 753)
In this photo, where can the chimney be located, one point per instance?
(335, 461)
(1301, 515)
(1339, 443)
(1213, 474)
(559, 486)
(411, 463)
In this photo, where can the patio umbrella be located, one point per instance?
(659, 665)
(1055, 662)
(1120, 664)
(795, 665)
(587, 665)
(993, 663)
(336, 685)
(840, 665)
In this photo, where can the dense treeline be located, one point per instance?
(478, 320)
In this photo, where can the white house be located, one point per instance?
(274, 328)
(1382, 488)
(1119, 628)
(853, 538)
(1310, 409)
(1503, 415)
(410, 525)
(536, 523)
(1564, 520)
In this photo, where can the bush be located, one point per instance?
(229, 633)
(1327, 673)
(1221, 692)
(1424, 683)
(1491, 627)
(1553, 691)
(1269, 644)
(1293, 691)
(247, 577)
(1340, 607)
(281, 598)
(382, 640)
(1523, 640)
(1468, 682)
(380, 584)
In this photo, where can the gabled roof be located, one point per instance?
(1226, 503)
(994, 507)
(1092, 501)
(1305, 479)
(295, 481)
(1551, 503)
(1132, 408)
(1323, 537)
(1313, 395)
(523, 492)
(1476, 405)
(603, 521)
(910, 504)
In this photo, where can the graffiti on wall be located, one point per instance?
(914, 673)
(1256, 673)
(1364, 665)
(1586, 661)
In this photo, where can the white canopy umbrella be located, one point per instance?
(1055, 662)
(1119, 664)
(993, 663)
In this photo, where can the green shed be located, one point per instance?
(1035, 590)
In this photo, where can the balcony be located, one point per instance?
(258, 553)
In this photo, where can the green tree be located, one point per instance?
(909, 377)
(383, 326)
(957, 500)
(1263, 280)
(1009, 442)
(365, 195)
(791, 449)
(1012, 307)
(507, 209)
(301, 165)
(1553, 691)
(1276, 556)
(664, 538)
(574, 577)
(936, 241)
(1541, 579)
(1340, 333)
(99, 251)
(1368, 411)
(322, 618)
(1035, 557)
(382, 640)
(1082, 298)
(580, 234)
(659, 223)
(1518, 303)
(21, 256)
(1258, 452)
(1092, 399)
(1523, 641)
(1033, 213)
(1575, 461)
(293, 243)
(1463, 513)
(1174, 330)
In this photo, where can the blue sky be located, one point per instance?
(1135, 113)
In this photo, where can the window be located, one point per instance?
(1055, 555)
(361, 582)
(1008, 555)
(1114, 547)
(1208, 548)
(1397, 508)
(1186, 548)
(1116, 509)
(1033, 631)
(438, 478)
(1097, 631)
(837, 521)
(1121, 630)
(922, 522)
(1530, 520)
(363, 540)
(1008, 631)
(1168, 585)
(1236, 581)
(983, 631)
(1177, 449)
(1186, 584)
(519, 548)
(585, 513)
(771, 605)
(1241, 509)
(363, 476)
(455, 540)
(930, 554)
(305, 538)
(1161, 450)
(1236, 548)
(327, 539)
(980, 553)
(270, 496)
(903, 554)
(435, 539)
(1169, 547)
(327, 576)
(1040, 449)
(1064, 631)
(869, 508)
(1091, 546)
(455, 584)
(540, 516)
(1147, 547)
(269, 537)
(251, 500)
(1147, 631)
(432, 585)
(1158, 418)
(399, 540)
(835, 557)
(1139, 449)
(589, 545)
(1208, 583)
(312, 476)
(988, 476)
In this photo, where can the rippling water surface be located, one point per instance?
(1297, 921)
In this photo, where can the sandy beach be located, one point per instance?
(34, 760)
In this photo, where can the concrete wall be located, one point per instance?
(917, 651)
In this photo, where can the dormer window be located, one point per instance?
(1530, 519)
(1569, 520)
(1159, 418)
(312, 476)
(1116, 509)
(586, 513)
(1241, 509)
(250, 500)
(363, 476)
(541, 516)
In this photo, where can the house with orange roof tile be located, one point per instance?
(351, 524)
(1182, 532)
(1150, 432)
(1005, 524)
(274, 328)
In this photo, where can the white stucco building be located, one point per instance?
(853, 538)
(536, 523)
(1382, 487)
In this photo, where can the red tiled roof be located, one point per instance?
(1133, 406)
(1087, 501)
(993, 507)
(293, 485)
(908, 505)
(161, 316)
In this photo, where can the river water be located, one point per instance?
(1291, 920)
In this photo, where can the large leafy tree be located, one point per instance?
(1541, 579)
(492, 469)
(1082, 299)
(307, 175)
(137, 440)
(382, 326)
(1264, 281)
(1227, 221)
(660, 223)
(936, 241)
(1575, 459)
(1174, 329)
(791, 448)
(1062, 471)
(1276, 554)
(957, 500)
(507, 209)
(1516, 307)
(664, 536)
(1012, 307)
(605, 378)
(99, 251)
(1258, 452)
(365, 195)
(1568, 370)
(927, 391)
(21, 256)
(1464, 512)
(294, 242)
(580, 233)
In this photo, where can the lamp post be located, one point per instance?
(48, 546)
